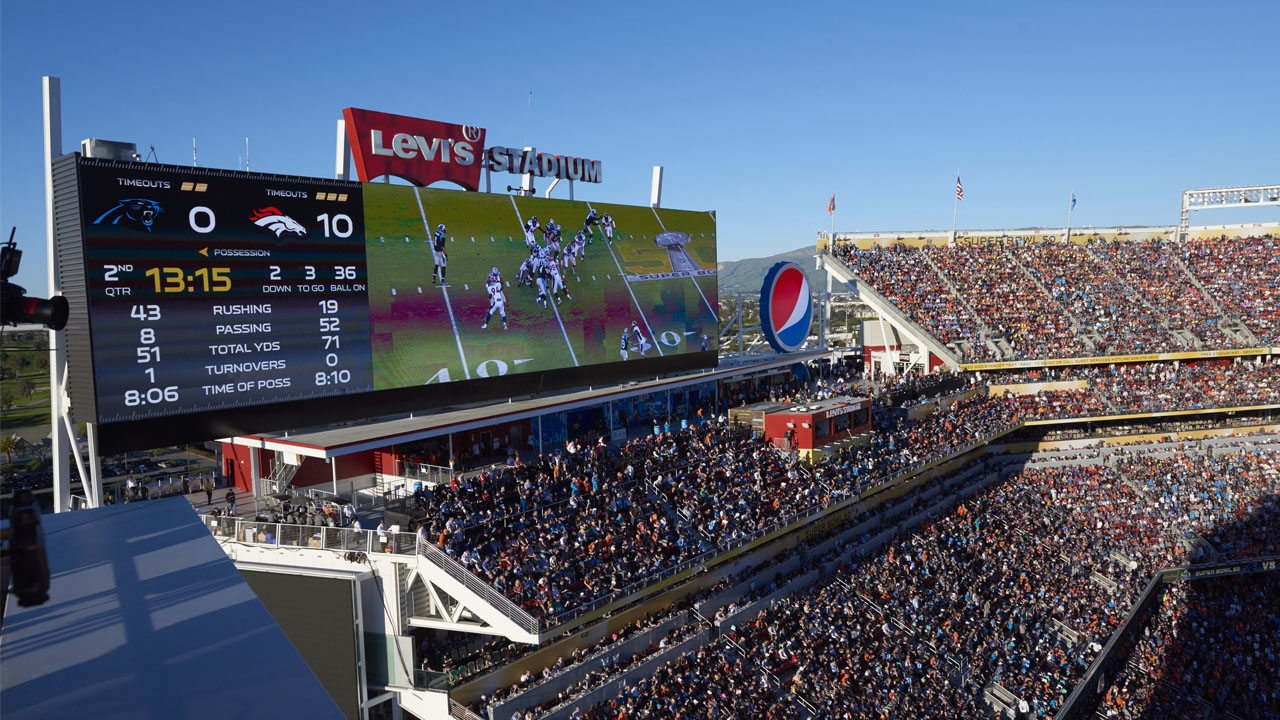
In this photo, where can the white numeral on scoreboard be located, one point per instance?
(341, 225)
(209, 221)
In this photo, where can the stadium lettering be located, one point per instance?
(532, 162)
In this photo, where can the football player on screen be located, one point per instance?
(642, 346)
(606, 224)
(525, 275)
(497, 299)
(571, 253)
(625, 340)
(440, 257)
(557, 281)
(587, 224)
(531, 226)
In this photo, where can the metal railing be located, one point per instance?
(472, 582)
(321, 537)
(461, 712)
(423, 472)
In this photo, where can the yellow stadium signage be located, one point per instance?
(1109, 359)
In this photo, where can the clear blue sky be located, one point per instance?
(757, 110)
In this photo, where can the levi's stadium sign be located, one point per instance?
(426, 151)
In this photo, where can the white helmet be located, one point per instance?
(440, 226)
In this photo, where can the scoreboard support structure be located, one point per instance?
(62, 428)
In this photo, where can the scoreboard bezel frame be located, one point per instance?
(138, 434)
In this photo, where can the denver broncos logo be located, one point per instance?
(277, 222)
(134, 211)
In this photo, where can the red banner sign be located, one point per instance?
(420, 151)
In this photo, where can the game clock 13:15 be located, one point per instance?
(214, 289)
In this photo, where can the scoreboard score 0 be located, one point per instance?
(208, 303)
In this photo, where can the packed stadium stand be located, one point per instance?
(1024, 299)
(1024, 539)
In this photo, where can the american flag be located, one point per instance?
(831, 205)
(959, 189)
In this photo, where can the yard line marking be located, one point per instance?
(550, 301)
(643, 318)
(465, 370)
(569, 345)
(448, 306)
(692, 279)
(655, 217)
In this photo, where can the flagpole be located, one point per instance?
(1070, 206)
(833, 219)
(955, 206)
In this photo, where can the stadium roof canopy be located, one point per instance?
(147, 617)
(336, 441)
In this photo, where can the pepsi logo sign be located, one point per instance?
(786, 307)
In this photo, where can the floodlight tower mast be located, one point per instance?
(1228, 197)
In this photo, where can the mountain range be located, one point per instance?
(746, 275)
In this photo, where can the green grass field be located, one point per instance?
(30, 411)
(423, 333)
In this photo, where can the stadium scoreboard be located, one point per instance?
(205, 294)
(221, 302)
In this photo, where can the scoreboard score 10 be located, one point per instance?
(229, 291)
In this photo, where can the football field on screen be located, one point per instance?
(424, 333)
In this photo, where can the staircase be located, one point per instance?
(1088, 335)
(281, 475)
(1183, 336)
(984, 331)
(1231, 326)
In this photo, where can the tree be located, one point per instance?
(26, 386)
(9, 445)
(6, 400)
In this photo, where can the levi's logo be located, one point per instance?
(414, 149)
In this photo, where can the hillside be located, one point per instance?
(746, 275)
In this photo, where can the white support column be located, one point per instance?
(62, 441)
(93, 485)
(255, 472)
(655, 190)
(333, 464)
(342, 159)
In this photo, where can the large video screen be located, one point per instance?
(458, 289)
(209, 291)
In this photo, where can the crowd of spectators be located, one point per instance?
(1126, 296)
(1240, 274)
(1152, 269)
(1097, 298)
(1007, 300)
(1210, 647)
(713, 682)
(903, 276)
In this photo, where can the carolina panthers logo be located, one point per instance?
(277, 222)
(134, 211)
